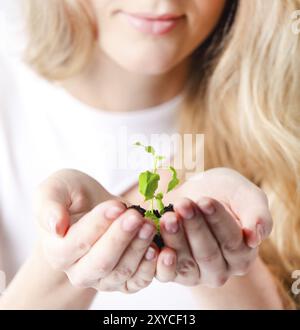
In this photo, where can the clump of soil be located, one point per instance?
(157, 238)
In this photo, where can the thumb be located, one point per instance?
(51, 206)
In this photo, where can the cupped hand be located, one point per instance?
(215, 233)
(99, 245)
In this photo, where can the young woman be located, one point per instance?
(229, 70)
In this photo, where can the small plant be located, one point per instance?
(148, 185)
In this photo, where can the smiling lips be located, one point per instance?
(154, 25)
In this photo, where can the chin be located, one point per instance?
(154, 65)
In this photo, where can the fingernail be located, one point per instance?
(146, 231)
(52, 224)
(171, 225)
(113, 212)
(206, 207)
(150, 254)
(131, 223)
(189, 213)
(168, 260)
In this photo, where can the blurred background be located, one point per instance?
(12, 34)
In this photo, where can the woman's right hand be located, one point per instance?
(92, 236)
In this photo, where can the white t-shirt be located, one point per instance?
(44, 129)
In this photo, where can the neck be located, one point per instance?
(107, 86)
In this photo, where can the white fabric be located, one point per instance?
(43, 129)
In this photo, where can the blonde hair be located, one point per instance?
(251, 126)
(61, 37)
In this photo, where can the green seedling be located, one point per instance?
(148, 186)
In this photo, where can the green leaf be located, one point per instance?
(160, 206)
(174, 181)
(159, 196)
(148, 183)
(150, 150)
(159, 202)
(160, 157)
(150, 215)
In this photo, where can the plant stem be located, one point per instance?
(155, 171)
(155, 165)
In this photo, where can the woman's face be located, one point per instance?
(154, 36)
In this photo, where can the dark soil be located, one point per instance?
(157, 238)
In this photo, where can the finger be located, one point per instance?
(228, 233)
(166, 265)
(174, 237)
(130, 260)
(204, 246)
(142, 278)
(51, 204)
(107, 251)
(251, 207)
(82, 235)
(225, 228)
(145, 272)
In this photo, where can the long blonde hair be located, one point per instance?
(245, 98)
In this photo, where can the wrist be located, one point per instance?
(38, 261)
(38, 286)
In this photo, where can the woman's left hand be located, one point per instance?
(215, 234)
